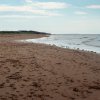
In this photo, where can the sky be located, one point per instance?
(52, 16)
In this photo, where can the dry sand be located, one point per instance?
(42, 72)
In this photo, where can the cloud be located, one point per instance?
(93, 6)
(81, 13)
(50, 5)
(36, 8)
(28, 1)
(21, 16)
(5, 8)
(20, 9)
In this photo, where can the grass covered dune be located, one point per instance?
(41, 72)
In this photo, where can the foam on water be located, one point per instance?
(74, 41)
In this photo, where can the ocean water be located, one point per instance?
(89, 42)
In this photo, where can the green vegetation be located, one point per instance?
(22, 32)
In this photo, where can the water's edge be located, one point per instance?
(80, 42)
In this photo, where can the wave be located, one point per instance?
(86, 42)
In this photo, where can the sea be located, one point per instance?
(88, 42)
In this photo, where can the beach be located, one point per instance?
(30, 71)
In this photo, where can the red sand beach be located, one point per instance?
(30, 71)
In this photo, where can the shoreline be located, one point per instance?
(43, 72)
(64, 47)
(12, 37)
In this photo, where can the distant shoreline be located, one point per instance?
(23, 32)
(11, 37)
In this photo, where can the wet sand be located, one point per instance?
(41, 72)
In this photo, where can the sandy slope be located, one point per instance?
(42, 72)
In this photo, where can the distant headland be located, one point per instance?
(23, 32)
